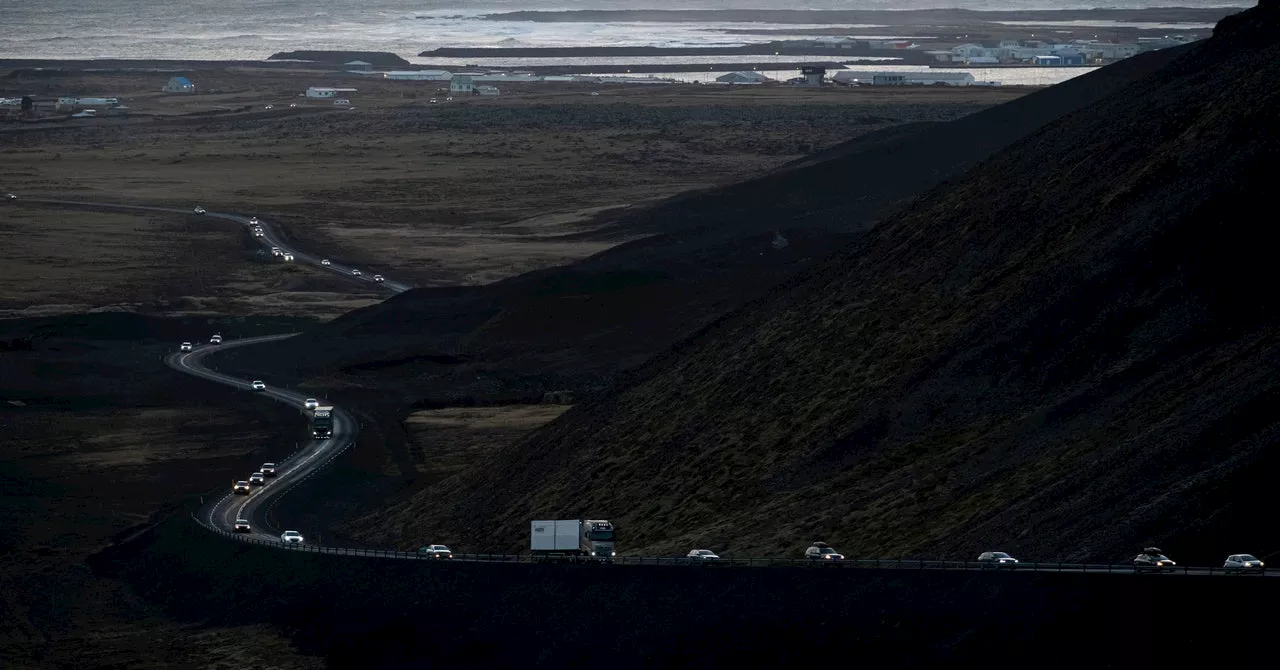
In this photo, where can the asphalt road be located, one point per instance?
(221, 514)
(271, 238)
(290, 468)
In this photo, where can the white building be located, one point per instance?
(179, 85)
(965, 51)
(326, 92)
(742, 78)
(358, 66)
(487, 90)
(462, 84)
(418, 75)
(930, 78)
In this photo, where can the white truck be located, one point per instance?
(572, 539)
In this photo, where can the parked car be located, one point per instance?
(257, 479)
(291, 537)
(435, 551)
(258, 385)
(216, 339)
(268, 469)
(821, 551)
(186, 346)
(242, 526)
(701, 556)
(310, 403)
(1243, 563)
(240, 488)
(1152, 560)
(997, 559)
(199, 210)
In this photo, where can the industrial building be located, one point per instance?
(742, 78)
(358, 66)
(418, 75)
(179, 85)
(926, 78)
(326, 92)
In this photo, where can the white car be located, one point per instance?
(378, 278)
(355, 273)
(325, 261)
(257, 232)
(186, 346)
(276, 251)
(199, 210)
(268, 469)
(240, 488)
(242, 526)
(253, 221)
(311, 403)
(257, 479)
(293, 104)
(269, 107)
(216, 339)
(434, 101)
(258, 385)
(1243, 563)
(595, 93)
(288, 256)
(291, 537)
(435, 551)
(701, 556)
(10, 196)
(449, 99)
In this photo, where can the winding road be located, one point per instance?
(220, 515)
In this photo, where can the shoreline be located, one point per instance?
(889, 17)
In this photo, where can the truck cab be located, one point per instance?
(597, 539)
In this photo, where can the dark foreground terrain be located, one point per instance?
(1066, 354)
(372, 613)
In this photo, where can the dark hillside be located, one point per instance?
(1067, 354)
(573, 327)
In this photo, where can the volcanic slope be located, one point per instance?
(705, 253)
(1066, 355)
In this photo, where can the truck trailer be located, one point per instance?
(321, 419)
(572, 539)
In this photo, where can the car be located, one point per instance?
(269, 107)
(1243, 563)
(257, 479)
(701, 556)
(1152, 560)
(287, 256)
(216, 339)
(435, 551)
(997, 559)
(378, 278)
(291, 537)
(821, 551)
(325, 261)
(276, 251)
(199, 210)
(258, 385)
(257, 232)
(253, 221)
(310, 403)
(293, 104)
(186, 346)
(240, 488)
(449, 99)
(595, 93)
(434, 101)
(10, 196)
(268, 469)
(242, 526)
(355, 273)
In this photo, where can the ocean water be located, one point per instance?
(255, 29)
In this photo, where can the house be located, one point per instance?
(326, 92)
(930, 78)
(813, 74)
(461, 83)
(179, 85)
(418, 75)
(1047, 60)
(1070, 57)
(941, 56)
(966, 51)
(891, 44)
(487, 90)
(981, 60)
(358, 66)
(742, 78)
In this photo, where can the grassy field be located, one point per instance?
(449, 193)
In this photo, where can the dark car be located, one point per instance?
(1152, 560)
(821, 551)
